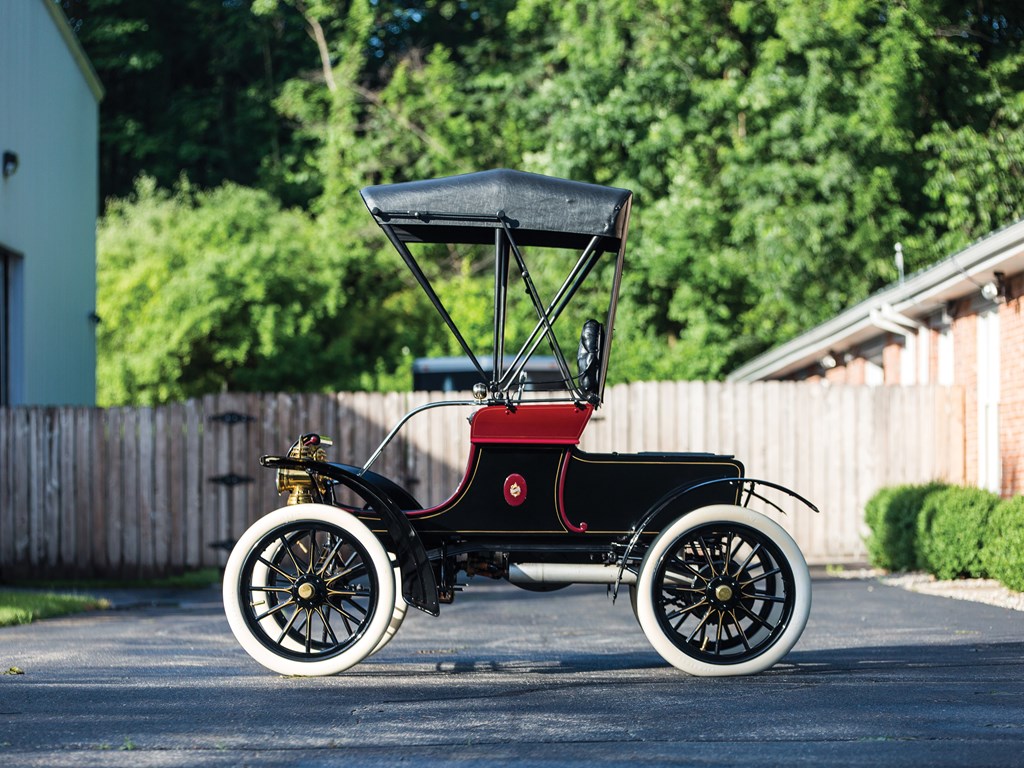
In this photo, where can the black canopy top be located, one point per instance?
(538, 210)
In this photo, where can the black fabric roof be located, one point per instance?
(539, 210)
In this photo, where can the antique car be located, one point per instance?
(318, 585)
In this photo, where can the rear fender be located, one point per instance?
(665, 509)
(419, 587)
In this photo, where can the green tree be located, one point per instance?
(201, 291)
(190, 87)
(777, 150)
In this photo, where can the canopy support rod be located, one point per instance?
(531, 291)
(500, 304)
(613, 299)
(588, 259)
(428, 289)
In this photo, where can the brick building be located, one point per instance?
(959, 322)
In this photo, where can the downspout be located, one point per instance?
(885, 318)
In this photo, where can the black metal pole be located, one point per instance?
(500, 303)
(428, 289)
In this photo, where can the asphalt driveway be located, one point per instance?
(881, 677)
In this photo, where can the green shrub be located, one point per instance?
(1003, 553)
(951, 530)
(891, 515)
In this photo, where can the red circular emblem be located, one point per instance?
(515, 490)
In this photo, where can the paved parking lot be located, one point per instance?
(881, 677)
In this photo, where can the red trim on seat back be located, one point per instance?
(538, 424)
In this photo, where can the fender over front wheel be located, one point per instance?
(723, 590)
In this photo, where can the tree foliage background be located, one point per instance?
(777, 150)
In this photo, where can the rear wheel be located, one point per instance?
(309, 590)
(723, 590)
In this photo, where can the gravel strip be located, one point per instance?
(987, 591)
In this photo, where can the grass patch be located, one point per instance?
(25, 607)
(200, 579)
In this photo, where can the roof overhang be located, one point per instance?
(919, 296)
(75, 48)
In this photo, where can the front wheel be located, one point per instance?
(309, 590)
(723, 590)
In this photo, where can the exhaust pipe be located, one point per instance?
(567, 573)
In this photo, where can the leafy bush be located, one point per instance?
(892, 516)
(951, 530)
(1003, 553)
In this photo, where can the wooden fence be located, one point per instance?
(148, 491)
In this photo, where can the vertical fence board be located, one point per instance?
(6, 491)
(194, 491)
(99, 467)
(147, 492)
(67, 500)
(83, 470)
(161, 515)
(175, 478)
(115, 493)
(40, 465)
(131, 511)
(20, 484)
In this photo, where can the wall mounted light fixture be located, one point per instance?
(10, 163)
(995, 290)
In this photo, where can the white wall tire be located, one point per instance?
(325, 573)
(722, 591)
(397, 614)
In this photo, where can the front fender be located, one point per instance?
(419, 587)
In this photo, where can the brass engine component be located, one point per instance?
(297, 482)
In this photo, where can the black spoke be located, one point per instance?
(764, 596)
(685, 611)
(327, 560)
(275, 609)
(757, 618)
(311, 555)
(691, 568)
(327, 625)
(288, 550)
(702, 622)
(273, 567)
(287, 627)
(762, 577)
(707, 556)
(739, 630)
(746, 562)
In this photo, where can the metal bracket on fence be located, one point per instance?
(231, 480)
(232, 417)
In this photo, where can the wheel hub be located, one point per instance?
(309, 592)
(723, 592)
